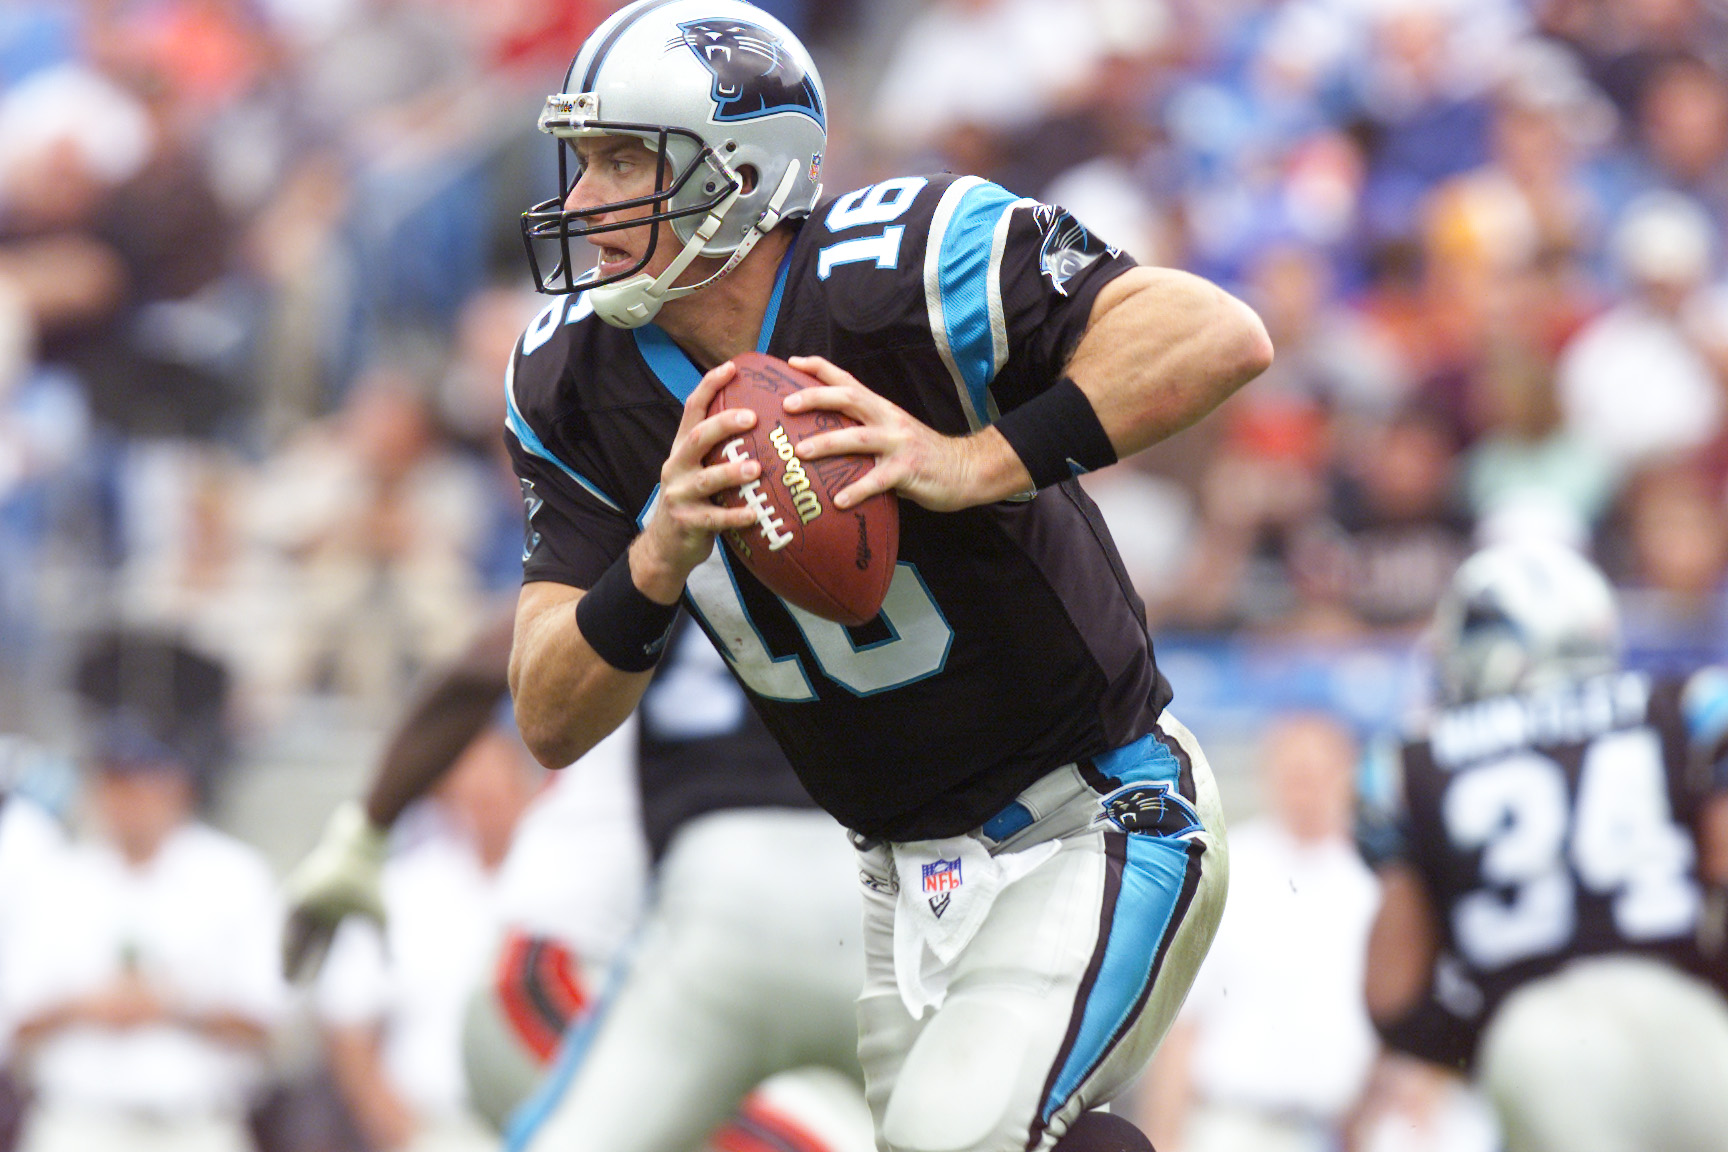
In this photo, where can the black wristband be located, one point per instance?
(623, 626)
(1057, 435)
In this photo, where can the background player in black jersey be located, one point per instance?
(1558, 840)
(707, 991)
(1041, 847)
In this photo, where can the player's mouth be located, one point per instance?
(615, 259)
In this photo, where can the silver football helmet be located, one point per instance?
(714, 88)
(1523, 616)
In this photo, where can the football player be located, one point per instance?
(1039, 840)
(1559, 836)
(720, 952)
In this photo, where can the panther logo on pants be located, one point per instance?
(1154, 809)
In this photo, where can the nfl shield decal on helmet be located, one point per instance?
(753, 76)
(1068, 247)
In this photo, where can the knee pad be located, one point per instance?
(514, 1024)
(500, 1072)
(961, 1078)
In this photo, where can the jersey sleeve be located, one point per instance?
(567, 538)
(1009, 286)
(572, 529)
(1437, 1030)
(1052, 271)
(1382, 813)
(1704, 705)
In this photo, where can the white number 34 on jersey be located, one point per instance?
(1618, 839)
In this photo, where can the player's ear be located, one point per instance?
(747, 174)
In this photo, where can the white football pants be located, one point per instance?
(1075, 971)
(1610, 1054)
(748, 964)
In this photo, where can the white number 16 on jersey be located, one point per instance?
(916, 647)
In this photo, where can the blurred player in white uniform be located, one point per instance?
(1555, 841)
(570, 895)
(392, 998)
(702, 1004)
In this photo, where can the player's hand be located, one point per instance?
(940, 472)
(341, 877)
(681, 532)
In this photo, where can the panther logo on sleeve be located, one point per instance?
(531, 503)
(1068, 248)
(752, 75)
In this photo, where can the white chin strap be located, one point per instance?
(635, 300)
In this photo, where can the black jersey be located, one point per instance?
(701, 747)
(1561, 824)
(1011, 641)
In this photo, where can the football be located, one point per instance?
(837, 564)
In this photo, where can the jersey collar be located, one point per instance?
(675, 371)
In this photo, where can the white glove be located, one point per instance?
(340, 877)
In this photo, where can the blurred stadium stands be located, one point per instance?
(260, 270)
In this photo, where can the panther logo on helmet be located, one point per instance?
(1520, 616)
(753, 76)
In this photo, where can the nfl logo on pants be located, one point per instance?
(941, 878)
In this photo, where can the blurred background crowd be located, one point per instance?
(260, 271)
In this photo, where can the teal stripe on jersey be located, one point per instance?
(678, 375)
(1152, 880)
(772, 316)
(530, 441)
(667, 361)
(970, 290)
(1146, 759)
(1705, 706)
